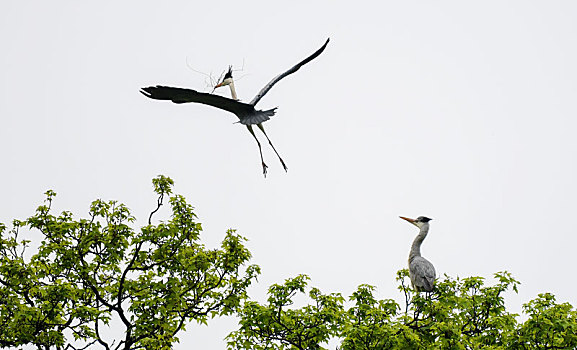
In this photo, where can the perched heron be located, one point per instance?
(421, 271)
(246, 112)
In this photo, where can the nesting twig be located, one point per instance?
(211, 81)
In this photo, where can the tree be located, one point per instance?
(87, 272)
(550, 325)
(458, 314)
(276, 326)
(66, 289)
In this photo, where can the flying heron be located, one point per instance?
(421, 271)
(246, 112)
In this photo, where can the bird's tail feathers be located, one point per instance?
(258, 117)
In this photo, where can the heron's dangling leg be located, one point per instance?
(270, 143)
(249, 127)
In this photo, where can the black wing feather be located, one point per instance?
(296, 67)
(180, 95)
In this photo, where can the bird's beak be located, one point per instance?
(219, 85)
(412, 221)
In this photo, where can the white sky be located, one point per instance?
(460, 111)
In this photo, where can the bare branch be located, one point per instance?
(159, 204)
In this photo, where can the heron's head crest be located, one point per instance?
(423, 219)
(228, 74)
(226, 80)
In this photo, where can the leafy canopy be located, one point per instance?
(458, 314)
(85, 275)
(87, 272)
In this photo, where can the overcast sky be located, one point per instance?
(463, 112)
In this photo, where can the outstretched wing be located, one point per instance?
(180, 95)
(288, 72)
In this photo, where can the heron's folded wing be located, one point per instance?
(423, 273)
(180, 95)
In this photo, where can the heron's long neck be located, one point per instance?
(416, 247)
(233, 91)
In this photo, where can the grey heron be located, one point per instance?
(247, 114)
(421, 271)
